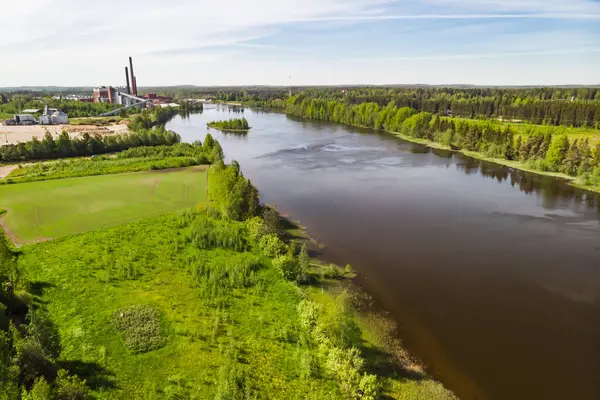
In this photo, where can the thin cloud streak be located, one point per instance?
(561, 16)
(480, 56)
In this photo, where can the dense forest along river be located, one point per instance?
(493, 274)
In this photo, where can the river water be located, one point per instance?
(492, 273)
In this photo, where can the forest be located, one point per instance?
(543, 148)
(235, 124)
(576, 107)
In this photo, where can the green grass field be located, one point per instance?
(39, 211)
(222, 339)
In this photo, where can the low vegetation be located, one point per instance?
(141, 328)
(137, 159)
(236, 124)
(98, 121)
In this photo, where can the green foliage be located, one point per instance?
(255, 227)
(86, 145)
(288, 267)
(557, 151)
(336, 342)
(41, 390)
(233, 195)
(158, 116)
(141, 328)
(91, 167)
(271, 246)
(235, 124)
(70, 387)
(207, 233)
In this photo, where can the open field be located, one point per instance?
(39, 211)
(16, 134)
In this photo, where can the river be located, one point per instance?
(493, 274)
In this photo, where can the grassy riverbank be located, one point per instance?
(573, 181)
(214, 299)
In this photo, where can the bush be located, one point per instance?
(288, 267)
(271, 246)
(141, 328)
(41, 390)
(70, 387)
(255, 227)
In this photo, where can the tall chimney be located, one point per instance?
(127, 77)
(133, 85)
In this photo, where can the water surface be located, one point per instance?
(492, 273)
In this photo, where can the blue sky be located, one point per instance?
(278, 42)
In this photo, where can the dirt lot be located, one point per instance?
(16, 134)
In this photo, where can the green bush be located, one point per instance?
(41, 390)
(207, 233)
(255, 227)
(271, 246)
(141, 328)
(288, 267)
(70, 387)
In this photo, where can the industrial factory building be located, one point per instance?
(128, 96)
(51, 116)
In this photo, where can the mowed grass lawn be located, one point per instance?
(39, 211)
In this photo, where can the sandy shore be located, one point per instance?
(16, 134)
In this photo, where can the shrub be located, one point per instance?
(255, 227)
(41, 390)
(70, 387)
(271, 246)
(141, 328)
(287, 266)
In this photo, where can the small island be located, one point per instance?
(231, 125)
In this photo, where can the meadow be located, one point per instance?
(223, 322)
(38, 211)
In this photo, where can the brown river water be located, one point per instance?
(493, 274)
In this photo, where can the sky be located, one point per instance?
(293, 42)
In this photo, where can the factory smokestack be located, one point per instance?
(133, 82)
(127, 77)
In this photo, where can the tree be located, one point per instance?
(70, 387)
(557, 152)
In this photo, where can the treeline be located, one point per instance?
(549, 106)
(29, 342)
(236, 124)
(86, 145)
(132, 160)
(15, 104)
(158, 116)
(539, 147)
(190, 106)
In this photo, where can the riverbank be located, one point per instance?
(573, 181)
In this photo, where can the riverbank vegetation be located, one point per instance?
(206, 302)
(235, 124)
(535, 147)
